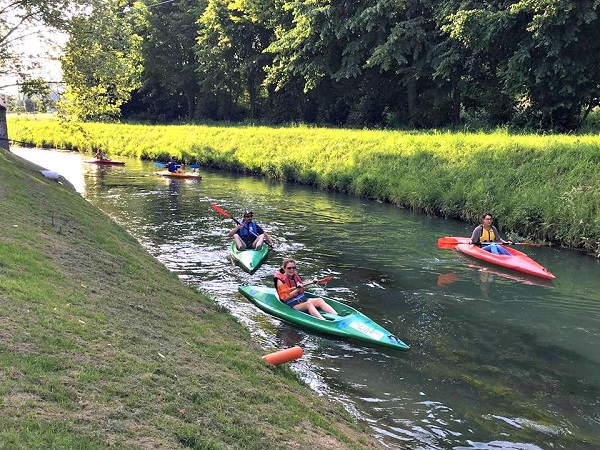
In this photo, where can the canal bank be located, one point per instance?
(103, 346)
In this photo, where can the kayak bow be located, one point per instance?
(249, 259)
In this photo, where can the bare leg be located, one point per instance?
(323, 305)
(258, 242)
(241, 245)
(310, 308)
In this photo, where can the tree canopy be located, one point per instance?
(24, 22)
(407, 63)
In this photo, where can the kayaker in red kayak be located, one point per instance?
(100, 155)
(486, 236)
(290, 290)
(248, 234)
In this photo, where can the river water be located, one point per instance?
(497, 360)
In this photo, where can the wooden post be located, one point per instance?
(3, 125)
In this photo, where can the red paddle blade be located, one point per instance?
(219, 210)
(325, 280)
(452, 241)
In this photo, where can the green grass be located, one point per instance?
(102, 347)
(543, 188)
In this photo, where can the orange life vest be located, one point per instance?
(284, 290)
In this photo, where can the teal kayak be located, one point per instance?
(249, 259)
(349, 323)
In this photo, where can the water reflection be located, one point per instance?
(497, 360)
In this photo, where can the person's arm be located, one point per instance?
(476, 236)
(284, 293)
(269, 239)
(234, 231)
(499, 238)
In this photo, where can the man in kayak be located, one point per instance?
(486, 236)
(248, 234)
(172, 165)
(290, 290)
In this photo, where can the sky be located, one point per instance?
(36, 47)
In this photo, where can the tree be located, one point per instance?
(555, 69)
(541, 55)
(386, 46)
(230, 45)
(39, 93)
(170, 85)
(23, 21)
(102, 62)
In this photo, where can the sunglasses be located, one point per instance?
(249, 215)
(291, 268)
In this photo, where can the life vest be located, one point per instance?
(245, 233)
(491, 236)
(284, 290)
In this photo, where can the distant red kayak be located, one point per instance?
(516, 261)
(105, 161)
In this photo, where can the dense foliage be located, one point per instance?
(423, 63)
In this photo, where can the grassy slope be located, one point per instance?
(100, 345)
(538, 187)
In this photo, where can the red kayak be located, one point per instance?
(105, 161)
(516, 260)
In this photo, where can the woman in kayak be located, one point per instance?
(290, 290)
(100, 154)
(248, 234)
(487, 237)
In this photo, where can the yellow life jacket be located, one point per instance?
(487, 235)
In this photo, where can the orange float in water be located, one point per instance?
(283, 356)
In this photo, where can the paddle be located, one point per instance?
(191, 166)
(224, 213)
(321, 281)
(453, 241)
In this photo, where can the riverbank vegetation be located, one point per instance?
(544, 188)
(102, 347)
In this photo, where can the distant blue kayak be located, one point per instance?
(349, 323)
(249, 259)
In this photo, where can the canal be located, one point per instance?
(497, 360)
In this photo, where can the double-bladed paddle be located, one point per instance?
(224, 213)
(453, 241)
(191, 166)
(321, 281)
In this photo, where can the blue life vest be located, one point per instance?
(245, 234)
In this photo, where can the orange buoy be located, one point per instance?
(283, 356)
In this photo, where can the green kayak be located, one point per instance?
(251, 259)
(349, 322)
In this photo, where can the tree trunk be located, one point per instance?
(3, 128)
(411, 96)
(455, 98)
